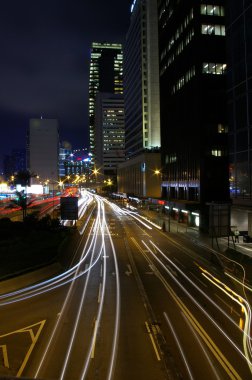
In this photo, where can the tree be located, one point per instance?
(21, 201)
(23, 177)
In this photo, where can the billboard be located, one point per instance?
(69, 208)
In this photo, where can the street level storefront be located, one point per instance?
(185, 212)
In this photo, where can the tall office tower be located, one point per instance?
(65, 150)
(109, 133)
(239, 47)
(193, 103)
(105, 75)
(43, 149)
(142, 108)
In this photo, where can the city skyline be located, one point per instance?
(45, 64)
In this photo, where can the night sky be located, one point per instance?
(44, 63)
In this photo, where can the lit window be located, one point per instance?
(222, 128)
(214, 68)
(212, 10)
(217, 152)
(218, 30)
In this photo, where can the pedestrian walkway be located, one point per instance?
(229, 251)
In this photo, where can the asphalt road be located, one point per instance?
(136, 303)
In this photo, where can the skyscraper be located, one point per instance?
(142, 108)
(43, 149)
(141, 79)
(239, 48)
(105, 75)
(109, 133)
(192, 48)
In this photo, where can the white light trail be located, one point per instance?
(179, 346)
(248, 360)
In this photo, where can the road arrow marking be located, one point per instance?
(129, 271)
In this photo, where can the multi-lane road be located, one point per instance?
(135, 303)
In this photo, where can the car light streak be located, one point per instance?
(195, 301)
(56, 327)
(117, 320)
(179, 346)
(117, 317)
(238, 281)
(202, 347)
(231, 261)
(56, 278)
(77, 319)
(139, 220)
(244, 306)
(54, 282)
(150, 222)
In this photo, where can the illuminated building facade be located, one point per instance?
(194, 133)
(105, 75)
(142, 103)
(239, 73)
(77, 163)
(141, 80)
(109, 133)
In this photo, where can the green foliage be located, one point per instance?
(30, 244)
(21, 201)
(23, 177)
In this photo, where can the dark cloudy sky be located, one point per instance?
(44, 62)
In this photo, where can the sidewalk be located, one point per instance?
(238, 252)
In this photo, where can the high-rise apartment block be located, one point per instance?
(192, 48)
(142, 108)
(105, 75)
(43, 149)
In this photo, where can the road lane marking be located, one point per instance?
(206, 338)
(34, 338)
(99, 293)
(212, 346)
(5, 356)
(94, 340)
(34, 341)
(152, 341)
(129, 271)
